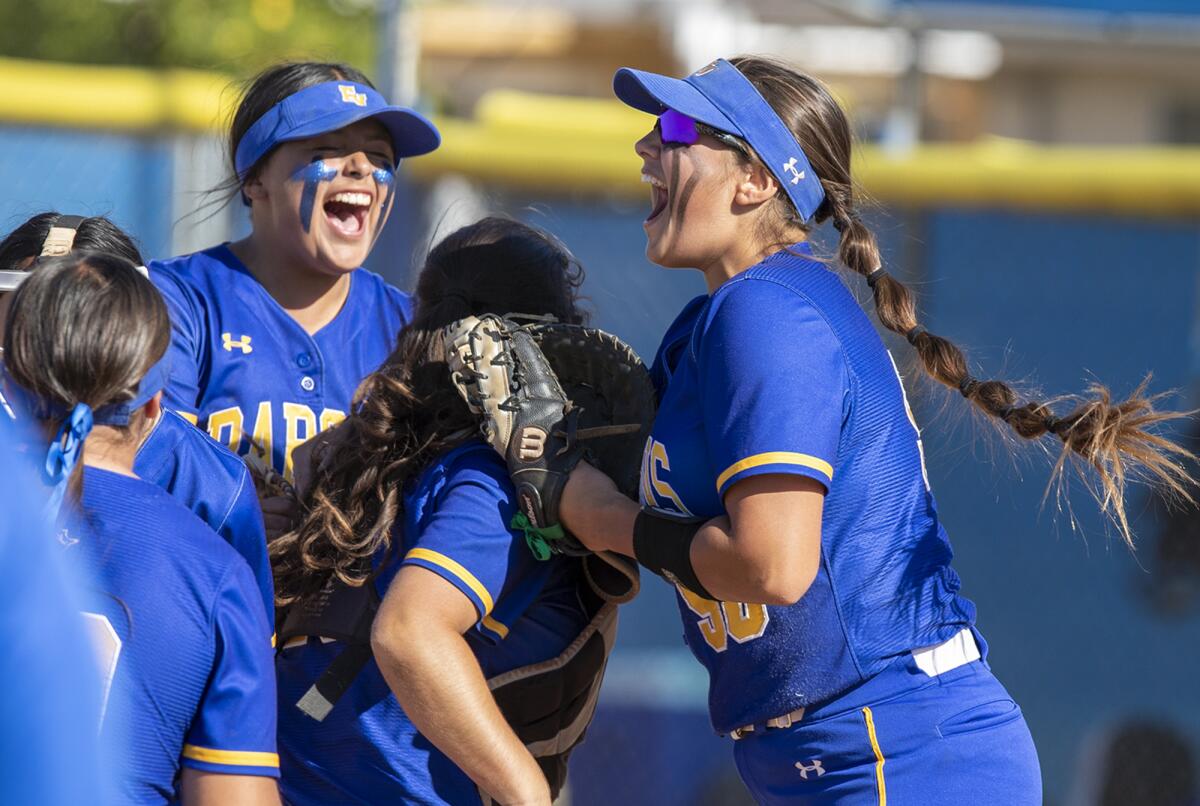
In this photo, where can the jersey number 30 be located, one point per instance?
(720, 621)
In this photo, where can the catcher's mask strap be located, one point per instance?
(61, 236)
(320, 698)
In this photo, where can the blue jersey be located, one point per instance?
(248, 373)
(183, 643)
(215, 485)
(455, 525)
(49, 752)
(781, 371)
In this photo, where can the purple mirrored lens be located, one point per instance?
(676, 127)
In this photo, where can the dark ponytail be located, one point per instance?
(1116, 440)
(84, 328)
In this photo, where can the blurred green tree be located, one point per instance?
(233, 36)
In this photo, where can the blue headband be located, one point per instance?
(64, 452)
(328, 107)
(26, 405)
(722, 97)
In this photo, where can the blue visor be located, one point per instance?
(328, 107)
(722, 97)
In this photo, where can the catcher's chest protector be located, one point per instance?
(548, 704)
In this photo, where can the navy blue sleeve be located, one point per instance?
(773, 382)
(234, 728)
(188, 342)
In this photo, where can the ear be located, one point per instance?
(152, 408)
(756, 185)
(253, 189)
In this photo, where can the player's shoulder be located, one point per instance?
(194, 284)
(473, 463)
(375, 293)
(787, 289)
(145, 521)
(176, 443)
(196, 268)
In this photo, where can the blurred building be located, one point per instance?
(1111, 73)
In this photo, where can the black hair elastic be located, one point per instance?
(1052, 423)
(968, 385)
(912, 334)
(874, 275)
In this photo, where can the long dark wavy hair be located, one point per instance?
(407, 413)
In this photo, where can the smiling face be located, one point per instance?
(323, 201)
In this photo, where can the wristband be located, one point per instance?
(663, 545)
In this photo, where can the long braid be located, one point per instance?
(1116, 440)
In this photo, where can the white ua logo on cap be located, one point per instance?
(790, 166)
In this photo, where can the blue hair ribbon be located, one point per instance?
(64, 454)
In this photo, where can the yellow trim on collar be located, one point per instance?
(239, 758)
(775, 458)
(442, 561)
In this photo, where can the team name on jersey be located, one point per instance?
(656, 489)
(301, 423)
(718, 622)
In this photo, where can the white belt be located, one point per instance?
(959, 650)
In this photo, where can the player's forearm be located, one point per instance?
(597, 513)
(438, 682)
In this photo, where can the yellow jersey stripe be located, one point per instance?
(240, 758)
(191, 418)
(442, 561)
(495, 627)
(775, 458)
(880, 786)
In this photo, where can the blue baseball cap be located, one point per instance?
(719, 95)
(328, 107)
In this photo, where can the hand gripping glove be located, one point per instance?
(509, 373)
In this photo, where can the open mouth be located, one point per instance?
(658, 196)
(347, 212)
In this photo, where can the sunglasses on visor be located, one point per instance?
(677, 128)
